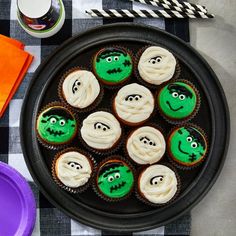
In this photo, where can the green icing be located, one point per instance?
(187, 145)
(115, 179)
(56, 125)
(177, 100)
(113, 65)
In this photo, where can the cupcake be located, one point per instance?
(101, 131)
(56, 125)
(113, 65)
(146, 145)
(72, 170)
(114, 180)
(178, 101)
(157, 184)
(79, 88)
(156, 65)
(187, 146)
(133, 104)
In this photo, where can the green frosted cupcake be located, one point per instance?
(56, 125)
(187, 145)
(113, 65)
(178, 101)
(115, 179)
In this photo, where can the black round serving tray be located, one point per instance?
(130, 214)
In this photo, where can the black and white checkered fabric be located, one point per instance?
(50, 221)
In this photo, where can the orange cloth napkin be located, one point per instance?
(14, 63)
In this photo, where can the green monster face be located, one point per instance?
(113, 65)
(115, 179)
(56, 125)
(187, 145)
(177, 100)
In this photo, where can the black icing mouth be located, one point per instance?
(55, 133)
(179, 147)
(114, 71)
(168, 103)
(116, 187)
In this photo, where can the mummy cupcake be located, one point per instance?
(101, 131)
(157, 184)
(80, 88)
(156, 65)
(133, 104)
(72, 170)
(112, 65)
(56, 125)
(178, 101)
(146, 145)
(187, 146)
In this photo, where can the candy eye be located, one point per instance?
(175, 94)
(110, 178)
(117, 175)
(109, 59)
(136, 98)
(72, 165)
(158, 59)
(77, 83)
(152, 61)
(181, 97)
(193, 144)
(156, 179)
(53, 120)
(189, 139)
(116, 58)
(62, 122)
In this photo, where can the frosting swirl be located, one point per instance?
(134, 103)
(156, 65)
(73, 169)
(158, 184)
(101, 130)
(146, 145)
(80, 88)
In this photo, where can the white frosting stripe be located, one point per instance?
(158, 184)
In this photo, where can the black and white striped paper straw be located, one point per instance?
(191, 6)
(170, 7)
(124, 13)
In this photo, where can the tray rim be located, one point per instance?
(227, 123)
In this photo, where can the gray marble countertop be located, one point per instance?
(216, 41)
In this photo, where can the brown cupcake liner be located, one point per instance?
(53, 146)
(83, 187)
(181, 165)
(149, 85)
(92, 106)
(102, 152)
(130, 123)
(111, 85)
(141, 197)
(100, 194)
(188, 118)
(132, 131)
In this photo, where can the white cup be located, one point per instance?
(41, 18)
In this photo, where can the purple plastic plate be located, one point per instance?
(17, 204)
